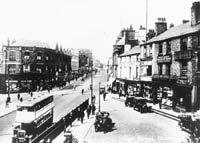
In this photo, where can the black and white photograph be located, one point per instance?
(100, 71)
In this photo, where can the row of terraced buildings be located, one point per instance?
(164, 67)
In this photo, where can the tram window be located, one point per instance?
(43, 103)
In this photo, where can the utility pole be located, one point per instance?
(146, 20)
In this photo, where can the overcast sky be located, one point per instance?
(92, 24)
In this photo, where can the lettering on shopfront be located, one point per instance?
(164, 59)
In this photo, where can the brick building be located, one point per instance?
(32, 65)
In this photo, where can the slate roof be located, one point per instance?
(121, 41)
(30, 43)
(176, 31)
(132, 51)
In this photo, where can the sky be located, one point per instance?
(79, 24)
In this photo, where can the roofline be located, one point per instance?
(129, 55)
(168, 38)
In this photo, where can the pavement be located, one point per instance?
(80, 131)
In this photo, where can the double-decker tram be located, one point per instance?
(33, 116)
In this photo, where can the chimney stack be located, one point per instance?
(160, 26)
(195, 13)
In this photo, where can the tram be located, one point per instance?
(33, 116)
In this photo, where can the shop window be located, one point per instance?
(198, 63)
(184, 44)
(168, 47)
(160, 48)
(199, 39)
(160, 69)
(149, 70)
(12, 56)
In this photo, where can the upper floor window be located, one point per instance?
(184, 69)
(168, 47)
(160, 69)
(129, 58)
(145, 51)
(160, 48)
(150, 50)
(183, 44)
(137, 58)
(39, 56)
(12, 56)
(168, 68)
(149, 70)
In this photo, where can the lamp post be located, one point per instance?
(99, 96)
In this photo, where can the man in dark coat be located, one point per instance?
(88, 111)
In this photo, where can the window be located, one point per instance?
(160, 69)
(145, 51)
(26, 55)
(184, 69)
(26, 68)
(12, 56)
(168, 47)
(184, 44)
(129, 58)
(160, 48)
(150, 50)
(120, 72)
(129, 72)
(137, 71)
(137, 58)
(168, 68)
(39, 56)
(149, 70)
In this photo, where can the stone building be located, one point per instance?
(175, 64)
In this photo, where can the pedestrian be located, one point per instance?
(18, 96)
(74, 87)
(88, 111)
(7, 102)
(48, 89)
(104, 96)
(120, 92)
(78, 114)
(160, 103)
(70, 118)
(93, 99)
(31, 94)
(21, 99)
(82, 91)
(93, 109)
(82, 115)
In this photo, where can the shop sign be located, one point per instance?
(146, 63)
(164, 59)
